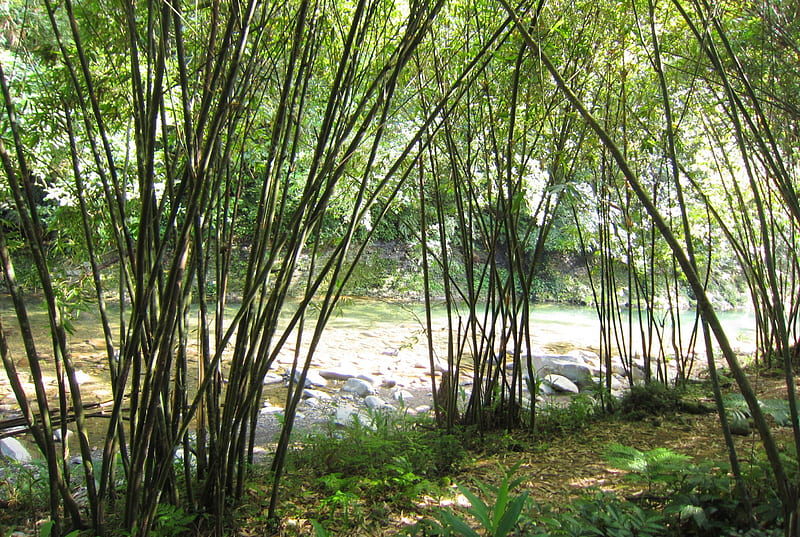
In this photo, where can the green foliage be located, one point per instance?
(575, 416)
(778, 409)
(367, 449)
(656, 465)
(603, 515)
(652, 399)
(698, 499)
(498, 518)
(172, 520)
(24, 484)
(46, 530)
(704, 503)
(395, 460)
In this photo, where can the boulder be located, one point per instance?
(309, 393)
(572, 367)
(313, 379)
(591, 358)
(372, 379)
(376, 403)
(359, 387)
(345, 416)
(81, 377)
(561, 383)
(272, 378)
(14, 450)
(338, 373)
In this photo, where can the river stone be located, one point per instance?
(271, 409)
(313, 379)
(572, 367)
(372, 379)
(561, 383)
(272, 378)
(311, 402)
(13, 449)
(309, 393)
(438, 365)
(338, 373)
(376, 403)
(388, 382)
(81, 377)
(591, 359)
(345, 416)
(402, 396)
(359, 387)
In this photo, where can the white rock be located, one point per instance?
(376, 403)
(388, 382)
(345, 416)
(402, 396)
(81, 377)
(338, 373)
(561, 383)
(545, 389)
(372, 379)
(272, 378)
(572, 367)
(309, 393)
(359, 387)
(13, 449)
(591, 358)
(271, 409)
(313, 379)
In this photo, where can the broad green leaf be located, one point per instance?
(511, 515)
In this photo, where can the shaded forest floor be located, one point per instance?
(555, 469)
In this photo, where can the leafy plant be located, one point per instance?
(497, 518)
(343, 500)
(46, 530)
(656, 465)
(554, 418)
(603, 515)
(778, 409)
(24, 484)
(172, 520)
(650, 399)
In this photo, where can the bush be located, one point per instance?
(653, 399)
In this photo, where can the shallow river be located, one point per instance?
(362, 333)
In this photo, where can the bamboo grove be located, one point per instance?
(656, 138)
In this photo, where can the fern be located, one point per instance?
(655, 465)
(778, 409)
